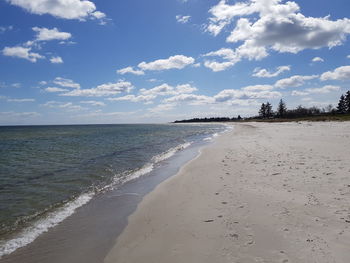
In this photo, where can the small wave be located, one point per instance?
(166, 155)
(29, 234)
(147, 168)
(41, 226)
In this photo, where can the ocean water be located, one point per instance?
(47, 172)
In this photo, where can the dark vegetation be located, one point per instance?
(282, 113)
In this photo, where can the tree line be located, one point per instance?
(266, 111)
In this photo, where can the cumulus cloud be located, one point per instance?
(20, 100)
(42, 34)
(231, 94)
(130, 70)
(55, 89)
(228, 56)
(69, 106)
(93, 103)
(278, 27)
(173, 62)
(317, 59)
(3, 29)
(264, 73)
(294, 81)
(299, 93)
(341, 73)
(134, 98)
(107, 89)
(22, 52)
(255, 88)
(324, 89)
(71, 9)
(46, 34)
(148, 95)
(56, 60)
(165, 89)
(191, 99)
(66, 83)
(182, 19)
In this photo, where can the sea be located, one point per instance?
(48, 172)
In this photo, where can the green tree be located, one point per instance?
(262, 111)
(268, 110)
(347, 101)
(341, 105)
(281, 109)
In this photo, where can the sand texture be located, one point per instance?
(260, 193)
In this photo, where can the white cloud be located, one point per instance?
(173, 62)
(165, 89)
(258, 88)
(324, 89)
(148, 95)
(231, 94)
(190, 98)
(55, 89)
(348, 56)
(22, 52)
(66, 83)
(299, 93)
(130, 70)
(45, 34)
(133, 98)
(264, 25)
(69, 106)
(107, 89)
(341, 73)
(17, 117)
(317, 59)
(161, 90)
(182, 19)
(93, 103)
(56, 60)
(98, 15)
(294, 81)
(3, 29)
(218, 66)
(229, 59)
(264, 73)
(66, 9)
(20, 100)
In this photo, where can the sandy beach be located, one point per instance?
(262, 192)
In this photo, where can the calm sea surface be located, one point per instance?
(46, 172)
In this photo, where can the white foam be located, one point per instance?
(138, 173)
(170, 152)
(29, 234)
(147, 168)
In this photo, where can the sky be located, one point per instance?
(91, 62)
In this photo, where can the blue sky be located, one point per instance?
(77, 62)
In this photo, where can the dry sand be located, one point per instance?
(260, 193)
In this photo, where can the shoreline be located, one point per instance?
(260, 193)
(105, 215)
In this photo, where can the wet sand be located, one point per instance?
(260, 193)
